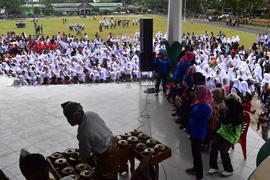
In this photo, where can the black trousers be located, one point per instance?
(258, 89)
(223, 146)
(197, 158)
(186, 113)
(164, 82)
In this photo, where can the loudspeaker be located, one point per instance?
(147, 61)
(146, 45)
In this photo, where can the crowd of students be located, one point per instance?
(112, 23)
(263, 40)
(213, 85)
(64, 59)
(214, 81)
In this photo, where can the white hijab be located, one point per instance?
(244, 88)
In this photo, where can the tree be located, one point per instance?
(240, 6)
(1, 3)
(95, 11)
(237, 7)
(194, 7)
(48, 9)
(156, 5)
(37, 11)
(12, 6)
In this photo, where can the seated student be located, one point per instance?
(35, 167)
(67, 80)
(198, 78)
(236, 88)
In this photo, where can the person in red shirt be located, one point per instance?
(247, 103)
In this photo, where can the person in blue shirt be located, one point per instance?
(197, 127)
(183, 65)
(162, 63)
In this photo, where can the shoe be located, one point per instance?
(181, 127)
(212, 171)
(174, 114)
(190, 171)
(156, 94)
(226, 173)
(178, 121)
(199, 179)
(169, 100)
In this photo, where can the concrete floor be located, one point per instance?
(31, 118)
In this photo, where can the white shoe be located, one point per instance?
(226, 173)
(212, 171)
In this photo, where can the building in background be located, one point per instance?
(27, 9)
(73, 8)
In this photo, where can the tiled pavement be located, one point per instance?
(31, 118)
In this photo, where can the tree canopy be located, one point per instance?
(193, 7)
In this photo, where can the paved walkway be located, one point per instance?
(31, 118)
(240, 28)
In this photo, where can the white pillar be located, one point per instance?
(175, 21)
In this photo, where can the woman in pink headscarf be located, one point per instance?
(197, 127)
(203, 95)
(183, 66)
(187, 57)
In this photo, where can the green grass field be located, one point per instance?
(54, 25)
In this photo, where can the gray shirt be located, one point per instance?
(93, 135)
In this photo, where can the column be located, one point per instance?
(175, 21)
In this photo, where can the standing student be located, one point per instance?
(227, 135)
(197, 127)
(162, 63)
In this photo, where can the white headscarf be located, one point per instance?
(231, 74)
(244, 88)
(266, 79)
(257, 73)
(236, 84)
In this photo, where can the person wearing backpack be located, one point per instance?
(227, 135)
